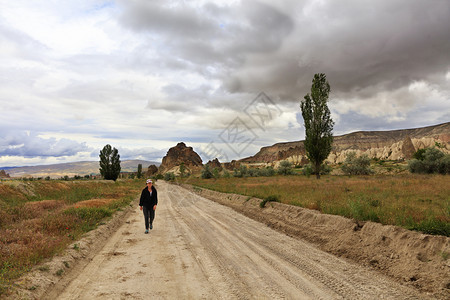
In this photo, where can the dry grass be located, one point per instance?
(39, 219)
(94, 202)
(420, 202)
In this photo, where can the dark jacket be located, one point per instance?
(147, 200)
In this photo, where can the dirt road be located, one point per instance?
(199, 249)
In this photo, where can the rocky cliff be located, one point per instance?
(214, 164)
(178, 155)
(388, 145)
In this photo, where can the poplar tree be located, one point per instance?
(109, 163)
(318, 122)
(139, 171)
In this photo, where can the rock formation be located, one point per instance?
(152, 169)
(180, 154)
(232, 165)
(3, 174)
(212, 164)
(408, 148)
(388, 145)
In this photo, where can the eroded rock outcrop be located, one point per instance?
(152, 169)
(232, 165)
(213, 164)
(180, 154)
(3, 174)
(387, 145)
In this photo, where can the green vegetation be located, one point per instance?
(41, 218)
(285, 168)
(318, 122)
(430, 160)
(206, 172)
(356, 165)
(416, 202)
(271, 198)
(139, 171)
(109, 163)
(169, 176)
(309, 170)
(182, 170)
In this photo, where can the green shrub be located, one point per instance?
(285, 168)
(419, 155)
(158, 176)
(241, 172)
(444, 165)
(206, 173)
(356, 165)
(216, 173)
(271, 198)
(309, 170)
(434, 161)
(169, 176)
(253, 172)
(267, 171)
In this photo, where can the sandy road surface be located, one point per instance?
(199, 249)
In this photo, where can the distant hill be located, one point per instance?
(80, 168)
(389, 145)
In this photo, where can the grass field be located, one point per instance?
(41, 218)
(417, 202)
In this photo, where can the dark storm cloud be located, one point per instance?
(362, 46)
(208, 36)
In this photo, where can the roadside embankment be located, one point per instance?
(410, 257)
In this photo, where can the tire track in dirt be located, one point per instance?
(346, 280)
(199, 249)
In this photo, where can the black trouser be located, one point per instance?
(149, 213)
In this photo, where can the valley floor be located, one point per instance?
(200, 249)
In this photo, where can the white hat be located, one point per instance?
(149, 181)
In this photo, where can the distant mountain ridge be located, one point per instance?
(390, 145)
(80, 168)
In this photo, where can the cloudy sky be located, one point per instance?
(225, 77)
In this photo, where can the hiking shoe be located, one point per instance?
(151, 226)
(146, 231)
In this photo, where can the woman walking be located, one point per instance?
(148, 202)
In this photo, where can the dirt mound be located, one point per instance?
(410, 257)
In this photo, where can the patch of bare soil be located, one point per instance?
(411, 258)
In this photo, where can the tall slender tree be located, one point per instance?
(139, 171)
(109, 163)
(318, 122)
